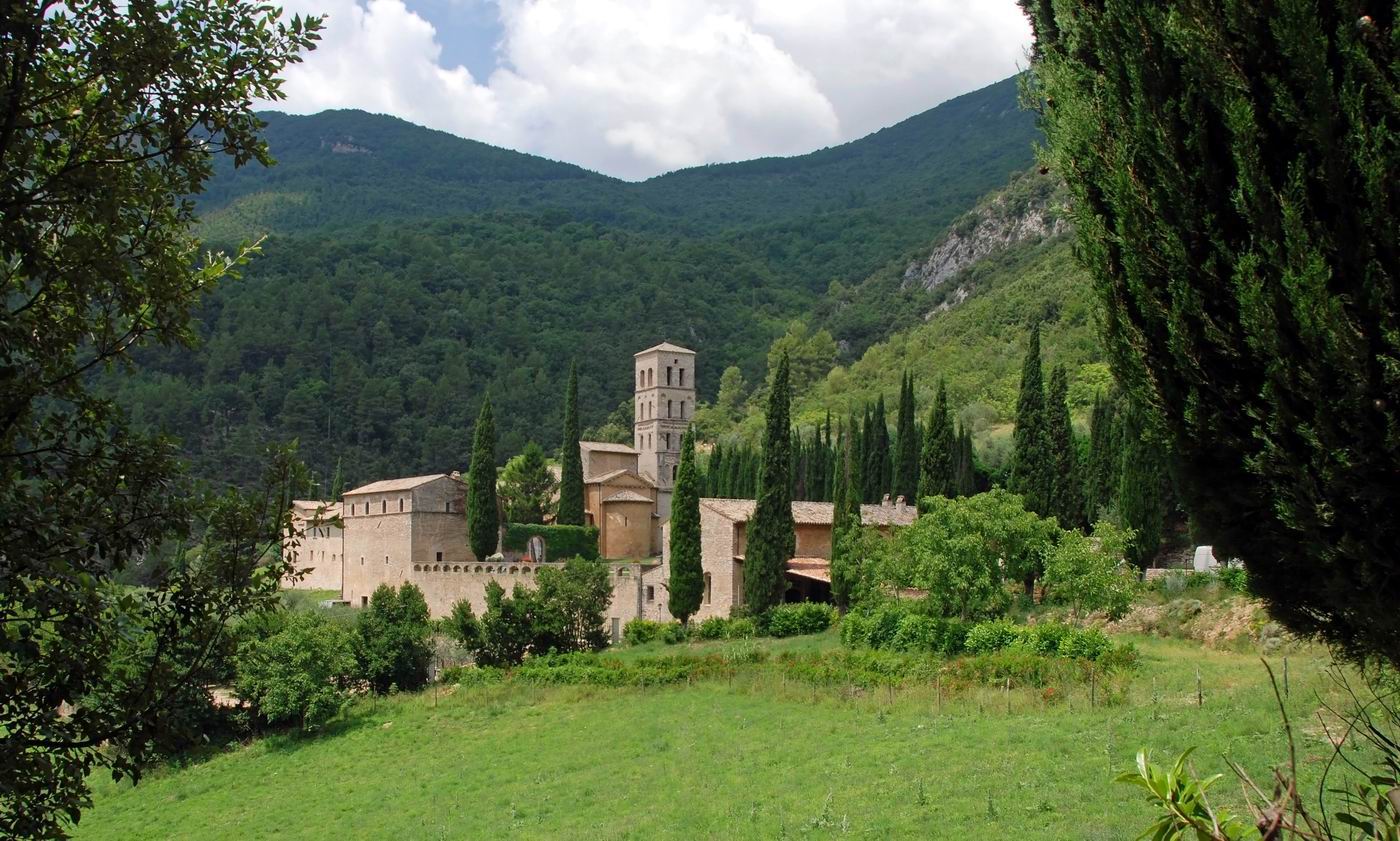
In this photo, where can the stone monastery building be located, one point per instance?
(415, 529)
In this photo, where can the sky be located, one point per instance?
(635, 88)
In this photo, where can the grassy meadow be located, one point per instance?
(754, 756)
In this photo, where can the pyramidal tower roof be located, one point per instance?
(667, 347)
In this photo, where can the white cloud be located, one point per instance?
(634, 88)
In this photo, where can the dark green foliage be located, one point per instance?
(526, 486)
(570, 459)
(964, 465)
(936, 476)
(483, 512)
(882, 470)
(301, 673)
(1032, 462)
(1143, 487)
(461, 625)
(506, 626)
(1105, 458)
(559, 541)
(112, 113)
(790, 620)
(393, 639)
(571, 601)
(908, 444)
(564, 612)
(1066, 501)
(1232, 169)
(771, 536)
(687, 584)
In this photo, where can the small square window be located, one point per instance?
(439, 557)
(651, 593)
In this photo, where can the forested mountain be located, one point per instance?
(407, 273)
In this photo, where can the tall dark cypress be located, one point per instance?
(687, 582)
(714, 470)
(882, 442)
(570, 460)
(1101, 473)
(965, 474)
(483, 514)
(1031, 463)
(936, 459)
(906, 462)
(1066, 477)
(846, 515)
(1142, 493)
(771, 538)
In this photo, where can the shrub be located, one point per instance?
(1046, 637)
(641, 631)
(672, 633)
(1119, 658)
(393, 639)
(471, 675)
(916, 633)
(712, 629)
(560, 541)
(741, 628)
(1088, 573)
(1085, 644)
(300, 673)
(1234, 578)
(986, 637)
(790, 620)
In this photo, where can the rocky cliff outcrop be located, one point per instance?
(1030, 209)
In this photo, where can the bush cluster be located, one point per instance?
(791, 620)
(903, 626)
(785, 620)
(907, 627)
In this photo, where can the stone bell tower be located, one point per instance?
(665, 402)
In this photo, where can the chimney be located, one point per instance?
(456, 474)
(885, 503)
(899, 503)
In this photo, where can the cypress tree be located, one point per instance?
(906, 464)
(714, 471)
(1067, 483)
(1032, 465)
(1142, 498)
(1105, 452)
(687, 584)
(936, 460)
(483, 517)
(845, 516)
(772, 538)
(570, 460)
(882, 443)
(966, 471)
(1248, 276)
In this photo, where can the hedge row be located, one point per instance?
(784, 620)
(560, 541)
(903, 627)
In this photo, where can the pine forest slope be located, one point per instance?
(407, 273)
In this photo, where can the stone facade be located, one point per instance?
(664, 382)
(320, 553)
(393, 525)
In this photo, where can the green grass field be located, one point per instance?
(752, 757)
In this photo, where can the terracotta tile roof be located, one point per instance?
(818, 569)
(813, 513)
(389, 485)
(613, 474)
(666, 346)
(309, 507)
(627, 496)
(741, 510)
(882, 515)
(606, 447)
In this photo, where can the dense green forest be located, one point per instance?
(407, 273)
